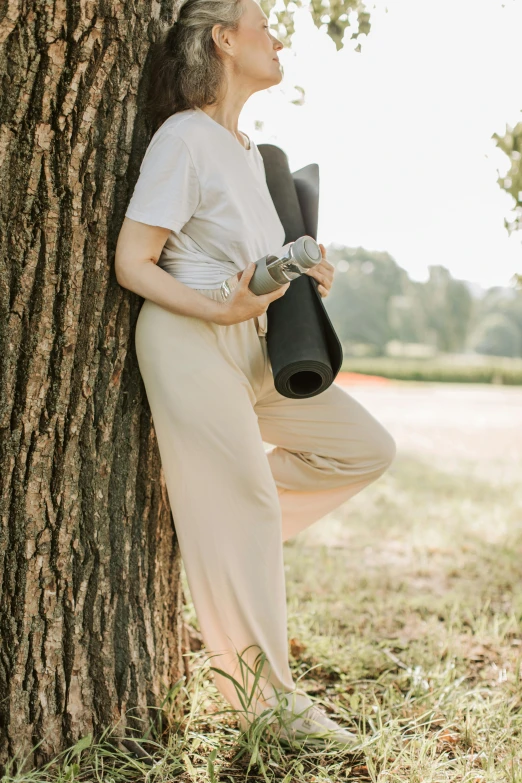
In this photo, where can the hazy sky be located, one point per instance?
(402, 132)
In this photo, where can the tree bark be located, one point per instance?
(90, 593)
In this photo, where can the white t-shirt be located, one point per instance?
(199, 181)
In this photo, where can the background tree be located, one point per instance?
(90, 596)
(364, 283)
(373, 301)
(497, 335)
(448, 305)
(511, 144)
(497, 323)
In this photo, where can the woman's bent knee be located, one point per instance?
(374, 458)
(386, 449)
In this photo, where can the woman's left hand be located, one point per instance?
(323, 272)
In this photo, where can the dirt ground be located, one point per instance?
(461, 424)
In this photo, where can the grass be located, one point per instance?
(405, 611)
(421, 630)
(449, 369)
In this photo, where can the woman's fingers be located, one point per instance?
(323, 279)
(277, 293)
(247, 275)
(320, 278)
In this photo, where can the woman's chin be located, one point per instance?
(271, 81)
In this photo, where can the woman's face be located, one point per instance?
(255, 49)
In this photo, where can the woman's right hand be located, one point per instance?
(242, 304)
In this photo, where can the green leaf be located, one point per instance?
(82, 744)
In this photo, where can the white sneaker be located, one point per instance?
(311, 725)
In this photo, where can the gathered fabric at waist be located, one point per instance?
(199, 273)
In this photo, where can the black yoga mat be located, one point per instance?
(304, 349)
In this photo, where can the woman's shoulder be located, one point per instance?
(178, 119)
(188, 132)
(178, 134)
(179, 124)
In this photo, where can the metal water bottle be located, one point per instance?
(275, 269)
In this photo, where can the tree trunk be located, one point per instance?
(90, 593)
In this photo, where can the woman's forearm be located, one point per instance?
(152, 282)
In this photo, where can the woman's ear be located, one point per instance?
(224, 39)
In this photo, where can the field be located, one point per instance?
(451, 368)
(405, 611)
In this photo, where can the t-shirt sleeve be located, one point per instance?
(167, 191)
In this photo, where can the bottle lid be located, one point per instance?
(306, 252)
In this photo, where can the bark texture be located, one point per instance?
(90, 594)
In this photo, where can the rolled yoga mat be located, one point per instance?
(304, 349)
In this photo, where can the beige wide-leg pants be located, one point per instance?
(213, 403)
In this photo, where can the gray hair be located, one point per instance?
(187, 70)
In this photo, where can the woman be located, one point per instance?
(200, 211)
